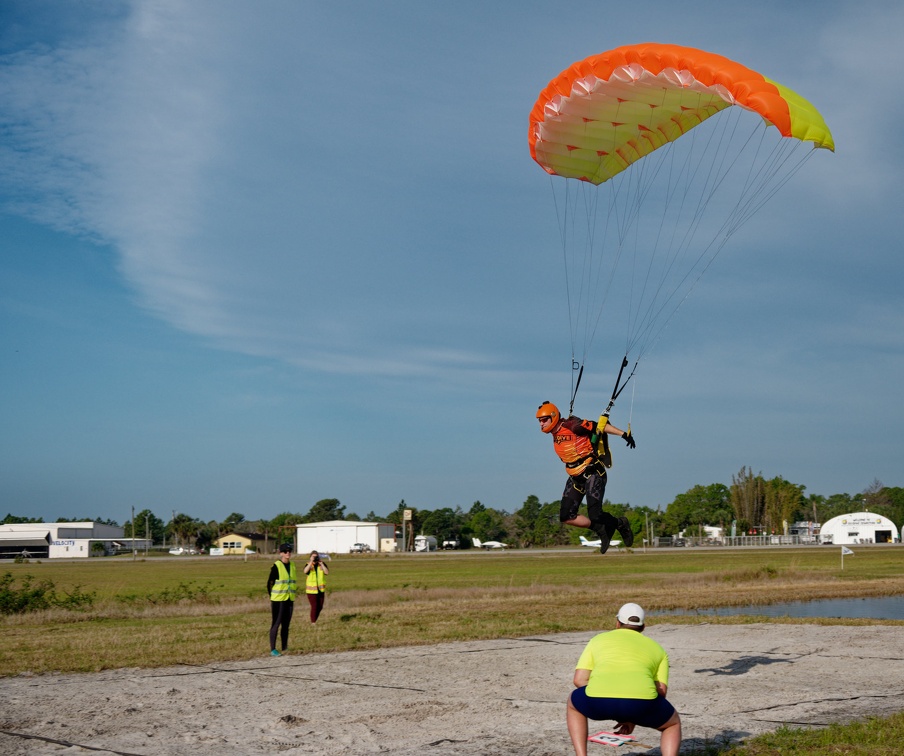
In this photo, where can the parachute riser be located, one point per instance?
(616, 390)
(580, 368)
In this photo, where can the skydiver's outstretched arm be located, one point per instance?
(627, 435)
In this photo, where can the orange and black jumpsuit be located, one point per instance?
(586, 473)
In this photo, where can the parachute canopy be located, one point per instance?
(659, 172)
(609, 110)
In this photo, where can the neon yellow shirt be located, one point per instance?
(624, 664)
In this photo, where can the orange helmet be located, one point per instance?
(548, 409)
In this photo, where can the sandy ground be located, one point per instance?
(491, 697)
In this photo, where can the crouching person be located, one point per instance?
(623, 675)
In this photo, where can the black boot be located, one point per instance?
(624, 530)
(605, 535)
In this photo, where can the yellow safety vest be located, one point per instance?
(286, 587)
(314, 583)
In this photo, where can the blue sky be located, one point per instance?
(255, 255)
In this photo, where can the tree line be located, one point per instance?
(751, 503)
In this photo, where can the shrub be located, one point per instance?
(33, 596)
(182, 593)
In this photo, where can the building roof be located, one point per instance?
(339, 524)
(41, 535)
(249, 536)
(860, 519)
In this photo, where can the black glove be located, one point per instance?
(629, 439)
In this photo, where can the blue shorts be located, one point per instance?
(652, 713)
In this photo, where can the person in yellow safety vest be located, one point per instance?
(282, 586)
(315, 586)
(582, 446)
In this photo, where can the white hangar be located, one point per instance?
(54, 540)
(859, 527)
(338, 536)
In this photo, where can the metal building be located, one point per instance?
(859, 527)
(55, 540)
(339, 536)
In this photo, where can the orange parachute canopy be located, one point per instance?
(607, 111)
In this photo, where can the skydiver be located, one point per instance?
(579, 443)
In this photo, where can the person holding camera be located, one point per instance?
(315, 586)
(282, 586)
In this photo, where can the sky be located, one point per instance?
(255, 255)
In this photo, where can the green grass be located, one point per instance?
(159, 612)
(875, 737)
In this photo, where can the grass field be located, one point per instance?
(164, 611)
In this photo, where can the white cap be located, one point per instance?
(631, 614)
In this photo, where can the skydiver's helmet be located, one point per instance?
(550, 411)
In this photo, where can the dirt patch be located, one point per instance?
(502, 696)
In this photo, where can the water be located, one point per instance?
(884, 607)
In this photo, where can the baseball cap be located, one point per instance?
(631, 614)
(285, 547)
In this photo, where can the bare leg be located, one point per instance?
(670, 740)
(581, 521)
(577, 729)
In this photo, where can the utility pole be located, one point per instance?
(147, 529)
(406, 520)
(134, 553)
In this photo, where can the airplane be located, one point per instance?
(489, 544)
(614, 543)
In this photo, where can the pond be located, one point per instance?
(883, 607)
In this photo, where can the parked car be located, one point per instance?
(359, 548)
(179, 550)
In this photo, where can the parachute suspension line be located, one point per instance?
(640, 179)
(577, 385)
(771, 178)
(642, 319)
(594, 316)
(691, 204)
(760, 186)
(631, 410)
(562, 221)
(590, 208)
(626, 194)
(715, 174)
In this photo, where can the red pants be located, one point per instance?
(316, 601)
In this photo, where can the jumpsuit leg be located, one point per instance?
(572, 497)
(596, 491)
